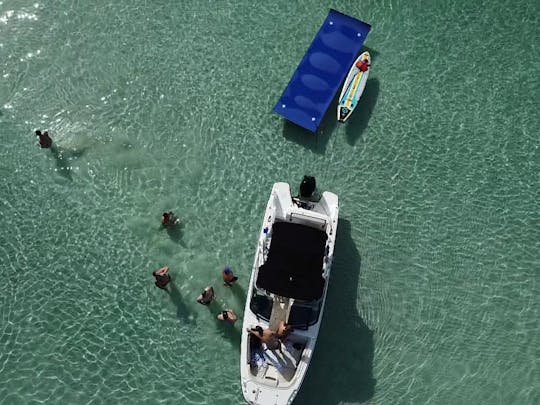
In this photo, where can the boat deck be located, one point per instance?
(275, 368)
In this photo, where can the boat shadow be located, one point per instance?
(342, 367)
(316, 141)
(359, 120)
(226, 330)
(183, 312)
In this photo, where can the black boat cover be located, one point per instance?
(293, 267)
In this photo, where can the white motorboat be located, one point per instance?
(288, 283)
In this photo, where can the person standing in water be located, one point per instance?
(228, 316)
(45, 140)
(228, 276)
(206, 296)
(162, 277)
(363, 64)
(168, 219)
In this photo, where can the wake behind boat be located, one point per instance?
(353, 87)
(288, 284)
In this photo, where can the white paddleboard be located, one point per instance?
(353, 88)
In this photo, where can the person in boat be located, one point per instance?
(363, 64)
(228, 276)
(267, 336)
(284, 330)
(256, 331)
(45, 140)
(207, 296)
(162, 277)
(228, 316)
(168, 219)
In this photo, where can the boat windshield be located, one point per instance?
(261, 305)
(305, 314)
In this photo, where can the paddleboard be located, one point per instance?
(353, 88)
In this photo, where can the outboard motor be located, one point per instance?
(307, 187)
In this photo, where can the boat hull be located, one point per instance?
(278, 377)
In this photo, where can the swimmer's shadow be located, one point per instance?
(230, 332)
(175, 233)
(239, 293)
(182, 310)
(63, 159)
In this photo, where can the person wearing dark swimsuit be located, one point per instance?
(228, 316)
(45, 140)
(228, 277)
(162, 277)
(206, 296)
(168, 219)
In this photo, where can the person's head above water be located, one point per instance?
(227, 315)
(167, 218)
(206, 296)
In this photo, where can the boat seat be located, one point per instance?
(271, 377)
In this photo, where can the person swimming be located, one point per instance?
(228, 276)
(228, 316)
(168, 219)
(207, 296)
(45, 140)
(162, 277)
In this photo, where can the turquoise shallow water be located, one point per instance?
(166, 105)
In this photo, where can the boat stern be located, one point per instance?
(257, 394)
